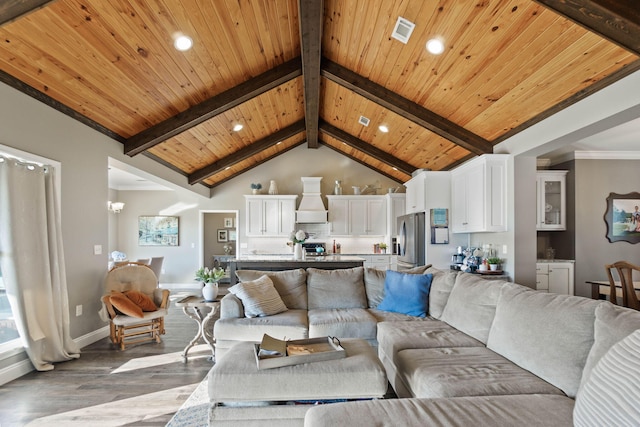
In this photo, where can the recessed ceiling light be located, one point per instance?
(383, 128)
(435, 46)
(238, 127)
(183, 43)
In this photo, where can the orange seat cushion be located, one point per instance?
(124, 305)
(141, 300)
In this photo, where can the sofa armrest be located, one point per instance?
(231, 307)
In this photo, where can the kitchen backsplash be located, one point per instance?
(274, 245)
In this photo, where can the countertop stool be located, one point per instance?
(243, 395)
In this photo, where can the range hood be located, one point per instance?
(311, 209)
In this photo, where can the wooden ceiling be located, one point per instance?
(303, 72)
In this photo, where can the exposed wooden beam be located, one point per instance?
(616, 20)
(246, 152)
(405, 108)
(56, 105)
(311, 20)
(368, 149)
(212, 107)
(11, 10)
(355, 159)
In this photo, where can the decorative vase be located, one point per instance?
(297, 251)
(210, 291)
(255, 191)
(273, 188)
(493, 267)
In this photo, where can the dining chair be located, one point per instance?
(156, 265)
(625, 271)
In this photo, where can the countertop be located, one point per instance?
(289, 258)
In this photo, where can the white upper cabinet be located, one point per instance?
(551, 200)
(479, 195)
(357, 215)
(396, 206)
(270, 215)
(416, 193)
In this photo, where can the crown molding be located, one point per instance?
(607, 155)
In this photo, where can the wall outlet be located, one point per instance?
(78, 310)
(97, 249)
(504, 249)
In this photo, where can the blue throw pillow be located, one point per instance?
(406, 293)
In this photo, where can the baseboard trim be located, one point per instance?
(23, 367)
(15, 371)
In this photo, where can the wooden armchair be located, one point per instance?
(131, 320)
(625, 273)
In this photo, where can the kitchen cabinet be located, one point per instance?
(479, 195)
(396, 206)
(270, 216)
(381, 261)
(416, 196)
(555, 277)
(357, 216)
(551, 200)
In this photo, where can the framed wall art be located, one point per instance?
(228, 223)
(222, 236)
(158, 230)
(623, 217)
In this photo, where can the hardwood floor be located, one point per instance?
(141, 386)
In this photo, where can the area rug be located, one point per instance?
(194, 412)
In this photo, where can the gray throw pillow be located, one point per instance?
(341, 288)
(259, 297)
(441, 286)
(290, 284)
(611, 394)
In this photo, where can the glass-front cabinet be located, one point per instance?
(551, 186)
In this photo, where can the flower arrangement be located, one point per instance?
(209, 276)
(299, 236)
(256, 186)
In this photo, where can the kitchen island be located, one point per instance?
(286, 262)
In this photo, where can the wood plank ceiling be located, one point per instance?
(304, 71)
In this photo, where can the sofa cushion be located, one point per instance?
(547, 334)
(613, 323)
(389, 316)
(611, 394)
(290, 284)
(290, 324)
(406, 293)
(538, 410)
(341, 288)
(342, 323)
(374, 282)
(441, 286)
(472, 305)
(465, 371)
(259, 297)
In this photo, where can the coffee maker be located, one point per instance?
(457, 259)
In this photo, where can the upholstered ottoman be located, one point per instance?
(241, 394)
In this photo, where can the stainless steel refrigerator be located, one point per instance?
(411, 240)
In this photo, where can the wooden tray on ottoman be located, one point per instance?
(295, 352)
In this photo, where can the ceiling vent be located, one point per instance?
(363, 121)
(403, 29)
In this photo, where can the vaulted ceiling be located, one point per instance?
(298, 72)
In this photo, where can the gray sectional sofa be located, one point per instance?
(489, 353)
(340, 303)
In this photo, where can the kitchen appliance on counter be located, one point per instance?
(411, 240)
(314, 248)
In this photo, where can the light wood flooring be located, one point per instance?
(141, 386)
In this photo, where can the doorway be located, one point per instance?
(219, 234)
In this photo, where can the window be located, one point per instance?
(8, 330)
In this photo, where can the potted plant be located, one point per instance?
(383, 247)
(256, 187)
(209, 279)
(494, 263)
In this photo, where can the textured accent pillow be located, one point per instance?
(611, 394)
(259, 297)
(124, 305)
(406, 293)
(141, 300)
(290, 284)
(341, 288)
(613, 323)
(441, 285)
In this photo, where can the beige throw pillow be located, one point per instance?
(259, 297)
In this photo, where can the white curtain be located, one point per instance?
(33, 262)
